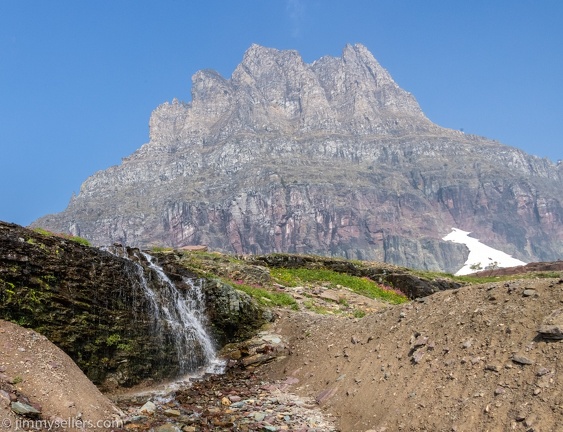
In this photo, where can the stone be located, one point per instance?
(542, 371)
(148, 408)
(521, 359)
(257, 359)
(330, 295)
(5, 397)
(172, 413)
(24, 409)
(417, 356)
(529, 293)
(420, 341)
(167, 427)
(552, 325)
(275, 339)
(325, 395)
(493, 367)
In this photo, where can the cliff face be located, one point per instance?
(329, 158)
(94, 306)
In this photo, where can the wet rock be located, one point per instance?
(87, 297)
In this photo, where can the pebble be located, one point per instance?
(520, 359)
(148, 408)
(254, 405)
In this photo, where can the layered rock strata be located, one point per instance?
(330, 158)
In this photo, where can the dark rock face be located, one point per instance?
(90, 303)
(329, 158)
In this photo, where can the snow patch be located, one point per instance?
(480, 254)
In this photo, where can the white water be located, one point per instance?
(183, 315)
(480, 255)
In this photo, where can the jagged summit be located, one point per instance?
(331, 157)
(274, 91)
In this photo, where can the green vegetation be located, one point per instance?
(160, 249)
(363, 286)
(475, 280)
(77, 239)
(310, 305)
(43, 232)
(358, 313)
(266, 297)
(113, 339)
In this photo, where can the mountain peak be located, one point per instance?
(275, 90)
(329, 157)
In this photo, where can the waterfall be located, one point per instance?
(178, 317)
(181, 314)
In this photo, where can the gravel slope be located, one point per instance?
(464, 360)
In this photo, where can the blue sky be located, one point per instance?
(79, 79)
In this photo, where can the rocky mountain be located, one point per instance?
(329, 158)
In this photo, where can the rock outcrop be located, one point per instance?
(92, 304)
(330, 158)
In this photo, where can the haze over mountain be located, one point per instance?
(329, 158)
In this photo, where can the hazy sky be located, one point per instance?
(79, 79)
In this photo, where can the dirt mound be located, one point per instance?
(35, 373)
(555, 266)
(463, 360)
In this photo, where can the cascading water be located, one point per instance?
(182, 315)
(178, 317)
